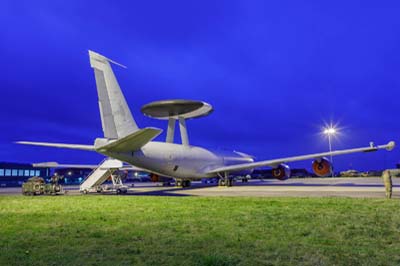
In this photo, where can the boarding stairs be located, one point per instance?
(100, 174)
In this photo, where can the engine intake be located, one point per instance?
(322, 167)
(282, 172)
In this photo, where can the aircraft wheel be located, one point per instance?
(221, 182)
(118, 191)
(179, 183)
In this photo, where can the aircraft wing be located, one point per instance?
(89, 166)
(57, 165)
(275, 162)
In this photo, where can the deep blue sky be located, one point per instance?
(275, 72)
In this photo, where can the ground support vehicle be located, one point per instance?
(37, 186)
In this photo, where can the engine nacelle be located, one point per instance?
(282, 172)
(322, 167)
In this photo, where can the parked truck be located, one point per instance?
(37, 186)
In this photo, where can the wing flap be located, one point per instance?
(273, 163)
(131, 142)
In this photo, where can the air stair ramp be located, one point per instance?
(106, 169)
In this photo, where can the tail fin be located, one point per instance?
(116, 118)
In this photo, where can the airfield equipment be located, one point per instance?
(350, 173)
(106, 169)
(37, 186)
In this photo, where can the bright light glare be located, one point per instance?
(330, 131)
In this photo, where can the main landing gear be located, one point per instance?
(182, 183)
(225, 181)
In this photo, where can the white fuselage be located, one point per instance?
(179, 161)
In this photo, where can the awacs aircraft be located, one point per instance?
(125, 141)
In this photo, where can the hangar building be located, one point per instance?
(14, 174)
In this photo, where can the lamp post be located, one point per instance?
(330, 131)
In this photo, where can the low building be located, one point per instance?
(14, 174)
(72, 176)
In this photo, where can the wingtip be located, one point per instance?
(46, 164)
(391, 145)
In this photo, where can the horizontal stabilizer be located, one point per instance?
(59, 145)
(131, 142)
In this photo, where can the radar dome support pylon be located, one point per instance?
(171, 130)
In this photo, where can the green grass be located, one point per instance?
(113, 230)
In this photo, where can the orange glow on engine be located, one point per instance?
(322, 168)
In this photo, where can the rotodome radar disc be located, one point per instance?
(176, 108)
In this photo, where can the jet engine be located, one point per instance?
(282, 172)
(322, 167)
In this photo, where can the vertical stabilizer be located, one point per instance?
(116, 118)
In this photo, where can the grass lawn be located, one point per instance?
(129, 230)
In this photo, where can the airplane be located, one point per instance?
(125, 141)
